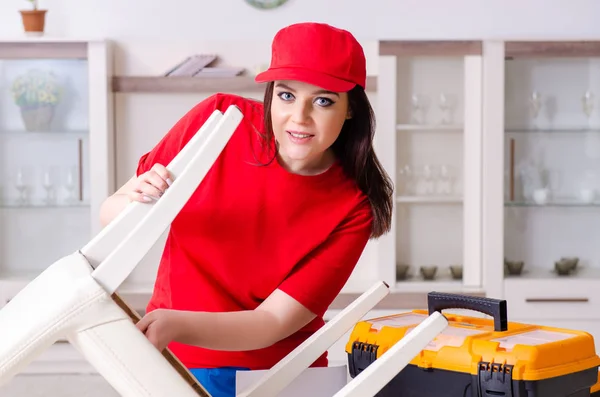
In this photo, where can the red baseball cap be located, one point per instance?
(318, 54)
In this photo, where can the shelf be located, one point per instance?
(161, 84)
(429, 199)
(22, 134)
(559, 130)
(430, 127)
(547, 273)
(403, 295)
(556, 203)
(440, 285)
(43, 48)
(43, 206)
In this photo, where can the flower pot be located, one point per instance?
(33, 21)
(37, 118)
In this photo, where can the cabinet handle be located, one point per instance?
(80, 167)
(556, 300)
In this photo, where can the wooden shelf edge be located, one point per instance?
(430, 47)
(43, 50)
(525, 49)
(164, 85)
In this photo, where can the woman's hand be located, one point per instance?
(161, 326)
(151, 185)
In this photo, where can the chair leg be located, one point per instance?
(123, 259)
(292, 365)
(105, 242)
(378, 374)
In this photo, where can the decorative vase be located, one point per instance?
(37, 118)
(34, 21)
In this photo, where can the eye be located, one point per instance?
(286, 96)
(322, 101)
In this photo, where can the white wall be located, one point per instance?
(380, 19)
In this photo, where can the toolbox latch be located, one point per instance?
(363, 354)
(495, 379)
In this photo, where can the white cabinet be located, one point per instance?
(56, 151)
(541, 152)
(429, 109)
(552, 299)
(523, 140)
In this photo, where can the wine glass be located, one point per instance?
(445, 183)
(48, 184)
(70, 184)
(444, 107)
(416, 107)
(587, 102)
(21, 185)
(535, 103)
(406, 179)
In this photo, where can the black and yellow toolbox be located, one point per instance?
(480, 357)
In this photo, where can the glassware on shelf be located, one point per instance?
(587, 187)
(428, 182)
(70, 184)
(406, 180)
(420, 106)
(446, 104)
(587, 103)
(48, 184)
(20, 183)
(535, 104)
(416, 107)
(445, 180)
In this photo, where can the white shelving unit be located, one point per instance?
(434, 158)
(559, 150)
(76, 150)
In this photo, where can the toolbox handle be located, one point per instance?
(438, 301)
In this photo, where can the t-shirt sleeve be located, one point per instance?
(179, 135)
(319, 277)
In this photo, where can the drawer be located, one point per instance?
(555, 299)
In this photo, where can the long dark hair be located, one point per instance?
(354, 149)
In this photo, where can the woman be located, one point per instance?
(276, 227)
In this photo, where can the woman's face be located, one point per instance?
(306, 121)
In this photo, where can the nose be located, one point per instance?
(301, 112)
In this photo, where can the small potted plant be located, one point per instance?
(34, 20)
(36, 93)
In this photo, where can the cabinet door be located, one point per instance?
(543, 158)
(552, 155)
(429, 139)
(55, 152)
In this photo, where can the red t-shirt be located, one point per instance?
(249, 229)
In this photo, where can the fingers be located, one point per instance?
(146, 328)
(163, 173)
(143, 324)
(153, 338)
(151, 185)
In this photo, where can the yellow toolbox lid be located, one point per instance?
(527, 352)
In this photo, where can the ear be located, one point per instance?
(349, 113)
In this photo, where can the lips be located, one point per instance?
(299, 134)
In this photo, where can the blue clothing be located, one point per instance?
(219, 382)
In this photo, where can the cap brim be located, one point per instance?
(322, 80)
